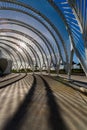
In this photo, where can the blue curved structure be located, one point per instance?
(44, 33)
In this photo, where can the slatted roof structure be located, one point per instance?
(44, 33)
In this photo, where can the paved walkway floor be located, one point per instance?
(76, 77)
(41, 103)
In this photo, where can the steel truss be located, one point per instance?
(44, 56)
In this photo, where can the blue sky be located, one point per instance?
(53, 18)
(78, 43)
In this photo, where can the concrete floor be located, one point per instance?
(41, 103)
(75, 77)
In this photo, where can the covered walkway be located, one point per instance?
(38, 38)
(43, 35)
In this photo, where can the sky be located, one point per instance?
(49, 12)
(76, 30)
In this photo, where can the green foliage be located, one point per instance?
(14, 71)
(61, 71)
(77, 71)
(28, 70)
(21, 70)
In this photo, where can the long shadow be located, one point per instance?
(11, 82)
(70, 83)
(79, 83)
(9, 78)
(55, 120)
(19, 116)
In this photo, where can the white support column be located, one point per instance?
(48, 70)
(25, 69)
(70, 64)
(58, 66)
(71, 59)
(41, 68)
(85, 38)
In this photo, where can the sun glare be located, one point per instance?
(21, 46)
